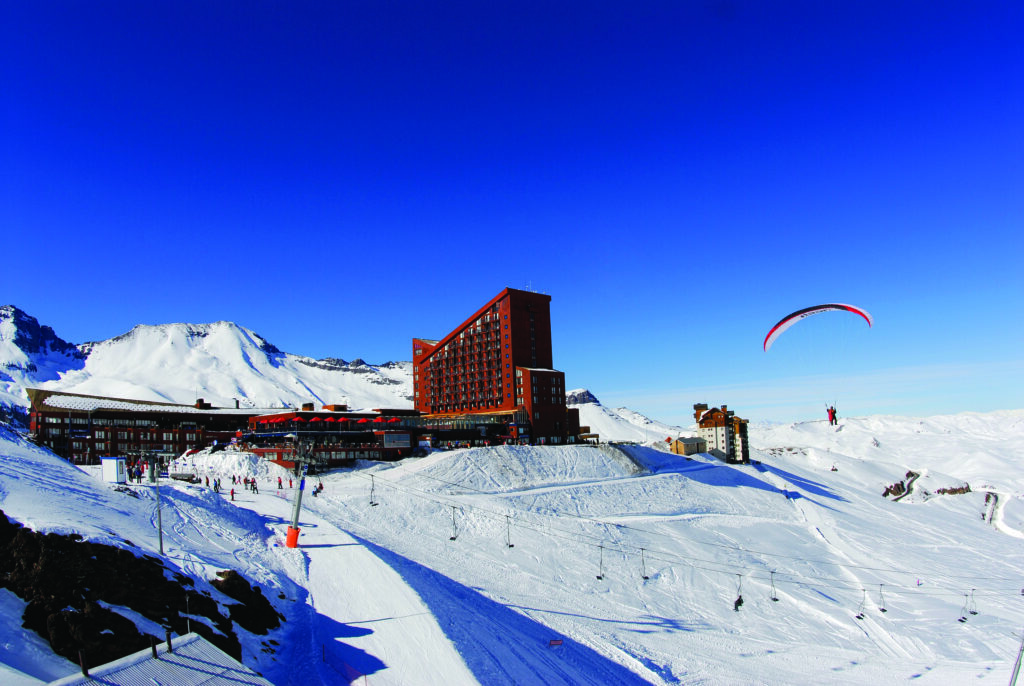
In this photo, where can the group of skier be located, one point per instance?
(833, 416)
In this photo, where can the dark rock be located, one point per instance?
(581, 397)
(254, 613)
(64, 580)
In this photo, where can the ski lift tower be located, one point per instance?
(301, 457)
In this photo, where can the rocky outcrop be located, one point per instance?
(70, 584)
(254, 613)
(31, 337)
(581, 397)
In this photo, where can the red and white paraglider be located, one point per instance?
(792, 318)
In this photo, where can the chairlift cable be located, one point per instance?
(670, 558)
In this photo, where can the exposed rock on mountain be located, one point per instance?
(581, 396)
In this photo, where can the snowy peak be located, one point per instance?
(221, 362)
(581, 396)
(621, 424)
(193, 335)
(224, 364)
(22, 339)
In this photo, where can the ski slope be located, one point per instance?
(405, 573)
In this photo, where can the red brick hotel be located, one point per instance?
(498, 363)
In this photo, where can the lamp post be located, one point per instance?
(154, 477)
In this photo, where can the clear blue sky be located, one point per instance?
(343, 176)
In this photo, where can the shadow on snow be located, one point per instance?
(498, 644)
(723, 474)
(342, 659)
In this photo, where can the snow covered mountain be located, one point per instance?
(591, 564)
(220, 362)
(30, 354)
(620, 424)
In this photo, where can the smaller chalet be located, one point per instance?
(724, 432)
(688, 445)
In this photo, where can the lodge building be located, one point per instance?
(497, 365)
(82, 428)
(724, 433)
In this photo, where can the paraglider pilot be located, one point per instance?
(833, 417)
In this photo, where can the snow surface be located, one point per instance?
(220, 362)
(383, 590)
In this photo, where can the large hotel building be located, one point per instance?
(498, 365)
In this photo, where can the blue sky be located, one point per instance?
(341, 177)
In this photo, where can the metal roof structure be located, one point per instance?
(193, 662)
(61, 400)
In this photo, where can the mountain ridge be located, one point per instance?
(222, 360)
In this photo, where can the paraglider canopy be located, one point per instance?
(792, 318)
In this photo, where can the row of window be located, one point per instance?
(117, 421)
(121, 447)
(102, 434)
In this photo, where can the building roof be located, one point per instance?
(194, 662)
(59, 400)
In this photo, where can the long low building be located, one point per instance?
(83, 428)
